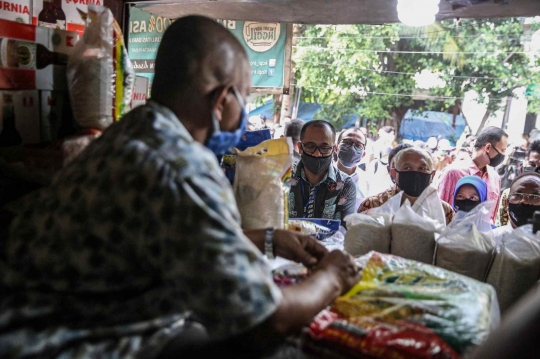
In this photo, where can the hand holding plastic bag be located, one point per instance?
(467, 245)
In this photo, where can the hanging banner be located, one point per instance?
(265, 44)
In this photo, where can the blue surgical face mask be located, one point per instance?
(221, 141)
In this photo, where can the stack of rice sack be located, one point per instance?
(405, 309)
(516, 268)
(408, 231)
(467, 245)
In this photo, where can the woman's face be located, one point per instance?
(468, 191)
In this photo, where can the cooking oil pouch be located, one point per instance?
(100, 74)
(403, 307)
(262, 184)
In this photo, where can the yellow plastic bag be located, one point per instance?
(261, 185)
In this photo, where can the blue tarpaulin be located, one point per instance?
(423, 125)
(306, 110)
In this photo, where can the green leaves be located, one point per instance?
(369, 70)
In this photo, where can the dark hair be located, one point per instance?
(318, 123)
(387, 129)
(490, 134)
(356, 129)
(396, 149)
(188, 50)
(534, 147)
(524, 174)
(293, 129)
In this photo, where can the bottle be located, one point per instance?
(46, 17)
(59, 15)
(28, 55)
(9, 135)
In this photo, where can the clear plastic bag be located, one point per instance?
(467, 245)
(415, 228)
(261, 185)
(100, 74)
(370, 231)
(516, 267)
(402, 308)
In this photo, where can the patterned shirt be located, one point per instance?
(383, 197)
(502, 213)
(332, 198)
(139, 230)
(454, 172)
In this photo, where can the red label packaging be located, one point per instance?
(16, 10)
(67, 15)
(34, 57)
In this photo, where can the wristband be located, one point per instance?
(269, 243)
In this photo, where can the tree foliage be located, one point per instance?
(370, 70)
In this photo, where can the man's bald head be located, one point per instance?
(196, 55)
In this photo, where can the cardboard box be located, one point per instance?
(16, 10)
(140, 91)
(20, 108)
(74, 11)
(34, 57)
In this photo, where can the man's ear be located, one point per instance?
(394, 173)
(336, 148)
(219, 99)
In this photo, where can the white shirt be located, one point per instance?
(360, 178)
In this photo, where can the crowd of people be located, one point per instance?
(140, 234)
(328, 164)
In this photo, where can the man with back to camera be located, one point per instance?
(489, 150)
(142, 229)
(351, 146)
(318, 188)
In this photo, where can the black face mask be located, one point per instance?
(531, 169)
(521, 213)
(495, 161)
(413, 183)
(465, 205)
(314, 164)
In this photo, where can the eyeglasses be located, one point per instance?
(517, 198)
(357, 145)
(310, 148)
(461, 197)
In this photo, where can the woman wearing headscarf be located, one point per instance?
(470, 192)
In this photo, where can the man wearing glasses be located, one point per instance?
(489, 150)
(318, 188)
(351, 150)
(523, 201)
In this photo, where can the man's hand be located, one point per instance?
(343, 267)
(298, 247)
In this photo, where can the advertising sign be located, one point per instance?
(16, 10)
(140, 91)
(263, 42)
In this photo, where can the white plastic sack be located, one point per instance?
(516, 268)
(415, 228)
(100, 74)
(261, 183)
(467, 245)
(370, 231)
